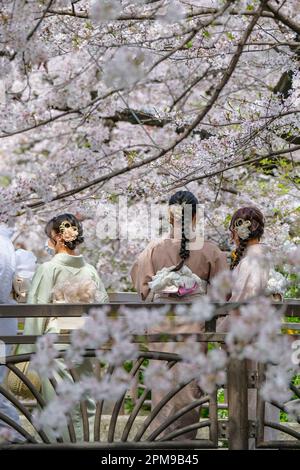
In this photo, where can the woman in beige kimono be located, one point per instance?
(168, 271)
(253, 275)
(66, 278)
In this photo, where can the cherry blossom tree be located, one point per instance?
(137, 98)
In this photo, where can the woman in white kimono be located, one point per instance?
(8, 326)
(168, 271)
(66, 278)
(249, 261)
(16, 270)
(252, 272)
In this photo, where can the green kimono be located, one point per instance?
(61, 268)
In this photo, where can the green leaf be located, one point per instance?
(189, 45)
(230, 36)
(5, 181)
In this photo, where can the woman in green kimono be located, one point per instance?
(66, 278)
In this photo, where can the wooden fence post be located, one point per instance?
(238, 428)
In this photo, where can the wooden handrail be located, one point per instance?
(291, 308)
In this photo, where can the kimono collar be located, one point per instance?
(256, 249)
(69, 260)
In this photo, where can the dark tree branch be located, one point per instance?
(284, 19)
(255, 160)
(36, 27)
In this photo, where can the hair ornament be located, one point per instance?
(234, 255)
(68, 231)
(242, 228)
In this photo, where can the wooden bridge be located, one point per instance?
(220, 424)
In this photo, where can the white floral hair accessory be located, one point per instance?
(68, 231)
(242, 228)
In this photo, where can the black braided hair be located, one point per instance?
(182, 198)
(55, 223)
(255, 216)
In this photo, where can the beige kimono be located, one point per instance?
(206, 263)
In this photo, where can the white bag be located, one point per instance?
(24, 271)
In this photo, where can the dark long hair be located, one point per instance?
(256, 228)
(182, 198)
(55, 225)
